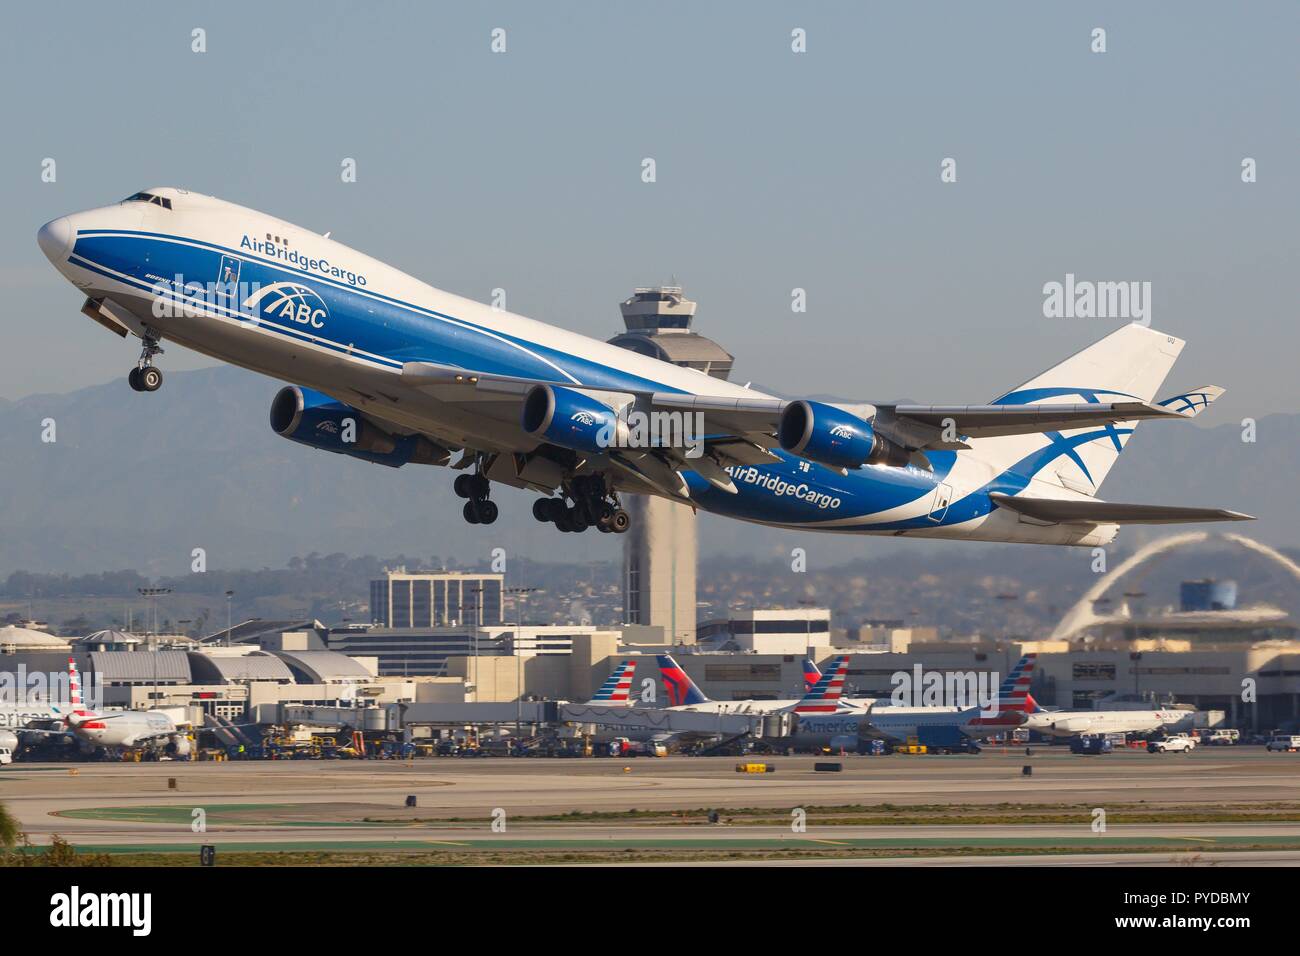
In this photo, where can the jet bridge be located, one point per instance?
(660, 721)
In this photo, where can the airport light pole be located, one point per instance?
(152, 595)
(229, 596)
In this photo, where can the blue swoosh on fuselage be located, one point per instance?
(369, 321)
(394, 332)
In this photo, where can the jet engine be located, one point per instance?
(831, 436)
(571, 419)
(312, 418)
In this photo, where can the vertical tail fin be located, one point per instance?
(617, 688)
(811, 675)
(1129, 364)
(823, 697)
(74, 685)
(678, 684)
(1014, 695)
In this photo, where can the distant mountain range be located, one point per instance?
(137, 480)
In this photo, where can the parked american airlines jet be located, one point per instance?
(111, 730)
(390, 370)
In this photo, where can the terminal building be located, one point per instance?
(768, 631)
(436, 599)
(424, 652)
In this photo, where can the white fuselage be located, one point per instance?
(367, 320)
(1070, 723)
(126, 728)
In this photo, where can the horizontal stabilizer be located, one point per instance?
(1057, 511)
(1193, 402)
(991, 421)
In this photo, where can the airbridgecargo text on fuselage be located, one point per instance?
(751, 475)
(294, 257)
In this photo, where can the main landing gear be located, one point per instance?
(145, 377)
(475, 487)
(593, 506)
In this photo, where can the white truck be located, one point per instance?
(6, 756)
(1285, 742)
(1177, 743)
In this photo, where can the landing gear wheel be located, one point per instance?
(619, 521)
(577, 521)
(463, 486)
(487, 511)
(470, 512)
(133, 378)
(150, 378)
(542, 509)
(478, 486)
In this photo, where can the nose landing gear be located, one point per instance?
(478, 509)
(145, 377)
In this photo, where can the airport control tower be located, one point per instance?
(660, 551)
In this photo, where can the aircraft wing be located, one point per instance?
(1063, 511)
(740, 429)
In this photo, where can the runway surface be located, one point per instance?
(890, 806)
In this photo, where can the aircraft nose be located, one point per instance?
(55, 239)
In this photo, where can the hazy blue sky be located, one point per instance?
(775, 170)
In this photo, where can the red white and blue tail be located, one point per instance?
(74, 686)
(1014, 694)
(617, 688)
(811, 675)
(824, 696)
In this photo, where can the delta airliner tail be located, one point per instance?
(811, 674)
(678, 685)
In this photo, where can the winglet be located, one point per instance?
(1193, 402)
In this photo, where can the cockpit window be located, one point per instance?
(150, 198)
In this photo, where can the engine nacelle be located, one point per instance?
(312, 418)
(570, 419)
(8, 740)
(832, 436)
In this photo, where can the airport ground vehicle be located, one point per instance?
(1178, 743)
(1286, 742)
(6, 756)
(1091, 744)
(1222, 737)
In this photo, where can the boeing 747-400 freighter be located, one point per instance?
(387, 369)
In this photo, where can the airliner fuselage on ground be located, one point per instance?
(1071, 723)
(388, 369)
